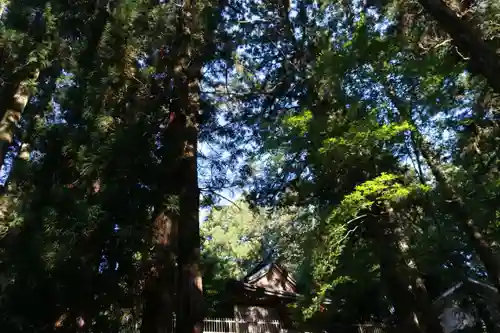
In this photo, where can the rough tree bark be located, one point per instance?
(179, 184)
(158, 291)
(187, 75)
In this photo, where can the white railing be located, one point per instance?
(229, 325)
(232, 325)
(371, 329)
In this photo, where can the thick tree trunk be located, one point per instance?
(405, 287)
(160, 280)
(184, 63)
(190, 312)
(468, 39)
(159, 296)
(180, 182)
(187, 75)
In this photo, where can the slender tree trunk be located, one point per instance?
(390, 275)
(468, 39)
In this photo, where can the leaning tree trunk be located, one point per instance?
(16, 92)
(12, 115)
(468, 38)
(459, 208)
(413, 309)
(32, 110)
(460, 211)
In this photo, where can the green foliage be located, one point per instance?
(298, 123)
(322, 117)
(234, 234)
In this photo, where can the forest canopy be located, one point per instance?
(361, 140)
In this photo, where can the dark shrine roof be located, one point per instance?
(256, 275)
(268, 280)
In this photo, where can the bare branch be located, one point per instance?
(357, 218)
(222, 197)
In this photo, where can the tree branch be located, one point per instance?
(222, 196)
